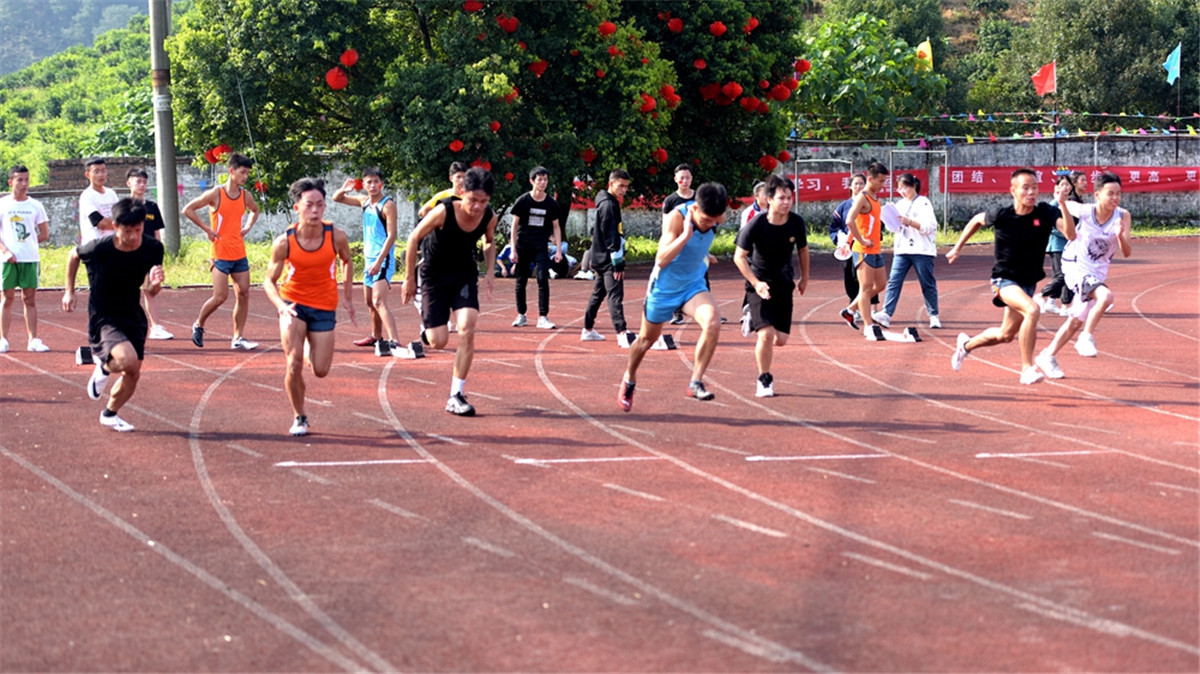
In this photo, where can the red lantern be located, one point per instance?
(763, 108)
(494, 126)
(784, 155)
(482, 163)
(648, 104)
(717, 29)
(600, 73)
(588, 155)
(700, 64)
(666, 90)
(780, 92)
(209, 156)
(791, 83)
(732, 90)
(336, 79)
(472, 6)
(652, 170)
(673, 100)
(750, 25)
(508, 176)
(508, 154)
(675, 25)
(260, 187)
(768, 163)
(349, 58)
(456, 145)
(607, 28)
(763, 84)
(537, 68)
(749, 103)
(803, 66)
(508, 24)
(709, 92)
(659, 155)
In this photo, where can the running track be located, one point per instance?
(883, 513)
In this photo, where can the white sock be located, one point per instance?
(456, 386)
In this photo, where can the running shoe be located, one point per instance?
(159, 332)
(299, 426)
(696, 390)
(591, 336)
(242, 344)
(677, 319)
(1085, 345)
(1047, 363)
(198, 336)
(116, 423)
(37, 346)
(935, 322)
(882, 318)
(873, 333)
(365, 341)
(383, 348)
(545, 324)
(625, 398)
(3, 345)
(765, 386)
(960, 351)
(95, 385)
(848, 316)
(585, 275)
(457, 404)
(626, 339)
(746, 320)
(520, 321)
(1031, 375)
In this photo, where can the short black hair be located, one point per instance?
(683, 167)
(861, 175)
(1106, 178)
(303, 185)
(137, 172)
(19, 168)
(777, 182)
(239, 161)
(877, 169)
(457, 167)
(373, 171)
(619, 174)
(1026, 171)
(538, 171)
(93, 161)
(128, 213)
(712, 199)
(911, 180)
(479, 179)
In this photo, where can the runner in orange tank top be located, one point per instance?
(227, 207)
(866, 230)
(307, 298)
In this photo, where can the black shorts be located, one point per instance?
(104, 336)
(439, 299)
(317, 320)
(775, 312)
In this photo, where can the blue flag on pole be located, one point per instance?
(1172, 64)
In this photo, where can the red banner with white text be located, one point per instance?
(985, 179)
(836, 186)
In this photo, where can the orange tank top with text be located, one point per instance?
(226, 221)
(869, 226)
(310, 276)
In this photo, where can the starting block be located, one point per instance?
(83, 356)
(906, 335)
(664, 343)
(417, 349)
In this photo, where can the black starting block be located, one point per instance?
(664, 343)
(83, 356)
(417, 348)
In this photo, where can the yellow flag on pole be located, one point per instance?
(925, 56)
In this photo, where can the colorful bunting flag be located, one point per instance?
(1172, 64)
(970, 140)
(1045, 80)
(925, 56)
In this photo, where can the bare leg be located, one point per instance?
(241, 302)
(123, 360)
(382, 318)
(647, 335)
(220, 294)
(703, 310)
(466, 342)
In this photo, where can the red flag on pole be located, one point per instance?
(1045, 80)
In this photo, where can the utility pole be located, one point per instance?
(164, 124)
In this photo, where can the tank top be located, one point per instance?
(868, 227)
(374, 229)
(226, 221)
(689, 264)
(1095, 243)
(449, 252)
(311, 275)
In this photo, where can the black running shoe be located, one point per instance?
(848, 316)
(198, 336)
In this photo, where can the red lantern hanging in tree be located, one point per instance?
(784, 155)
(508, 176)
(659, 155)
(717, 29)
(780, 92)
(675, 25)
(648, 104)
(763, 108)
(803, 66)
(768, 163)
(749, 103)
(731, 90)
(471, 6)
(349, 58)
(607, 28)
(599, 73)
(336, 78)
(709, 92)
(791, 83)
(700, 64)
(537, 68)
(652, 170)
(482, 163)
(751, 24)
(508, 24)
(588, 155)
(494, 126)
(456, 145)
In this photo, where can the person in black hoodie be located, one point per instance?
(608, 261)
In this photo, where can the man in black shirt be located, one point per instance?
(608, 261)
(118, 268)
(535, 222)
(685, 193)
(1022, 231)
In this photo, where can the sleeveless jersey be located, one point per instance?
(449, 252)
(868, 227)
(311, 275)
(226, 221)
(1094, 245)
(374, 229)
(689, 265)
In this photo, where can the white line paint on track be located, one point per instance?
(749, 526)
(762, 649)
(1139, 544)
(568, 375)
(909, 438)
(1176, 487)
(633, 429)
(486, 396)
(1080, 427)
(844, 476)
(395, 510)
(324, 464)
(989, 509)
(817, 457)
(368, 417)
(488, 547)
(633, 492)
(1042, 462)
(610, 459)
(865, 559)
(421, 381)
(719, 448)
(447, 439)
(505, 363)
(600, 591)
(311, 476)
(244, 450)
(1036, 455)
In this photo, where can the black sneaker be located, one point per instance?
(383, 348)
(198, 336)
(625, 397)
(677, 319)
(696, 390)
(457, 404)
(848, 316)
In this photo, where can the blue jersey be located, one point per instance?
(670, 287)
(374, 230)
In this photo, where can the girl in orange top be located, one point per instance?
(866, 228)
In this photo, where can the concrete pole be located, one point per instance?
(164, 125)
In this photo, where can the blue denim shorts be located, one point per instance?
(228, 267)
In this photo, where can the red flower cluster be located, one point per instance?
(494, 126)
(669, 95)
(482, 163)
(588, 155)
(675, 25)
(607, 28)
(472, 6)
(508, 23)
(803, 66)
(717, 28)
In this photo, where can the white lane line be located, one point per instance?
(574, 348)
(719, 448)
(611, 459)
(484, 396)
(1078, 427)
(505, 363)
(447, 438)
(1185, 443)
(327, 464)
(488, 547)
(749, 526)
(1177, 487)
(1054, 464)
(988, 509)
(368, 417)
(910, 438)
(244, 450)
(888, 565)
(569, 376)
(633, 492)
(1037, 455)
(631, 429)
(600, 592)
(309, 476)
(421, 381)
(765, 650)
(846, 476)
(1007, 387)
(1080, 619)
(395, 510)
(817, 457)
(1130, 541)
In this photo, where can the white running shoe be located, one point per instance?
(545, 324)
(591, 336)
(625, 339)
(764, 390)
(1085, 344)
(95, 384)
(1047, 363)
(1031, 375)
(882, 318)
(458, 405)
(960, 351)
(935, 322)
(299, 426)
(159, 332)
(116, 423)
(585, 275)
(3, 345)
(37, 346)
(520, 321)
(243, 344)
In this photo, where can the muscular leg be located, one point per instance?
(123, 360)
(376, 325)
(220, 294)
(1021, 315)
(704, 311)
(466, 342)
(6, 307)
(292, 333)
(764, 349)
(647, 335)
(382, 318)
(241, 301)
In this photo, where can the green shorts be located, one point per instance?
(19, 275)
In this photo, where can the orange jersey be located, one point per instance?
(870, 227)
(310, 277)
(226, 221)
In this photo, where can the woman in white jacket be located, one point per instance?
(915, 247)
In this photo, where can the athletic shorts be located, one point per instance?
(103, 338)
(228, 267)
(999, 283)
(318, 320)
(773, 313)
(662, 302)
(873, 260)
(385, 272)
(440, 300)
(1083, 288)
(19, 275)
